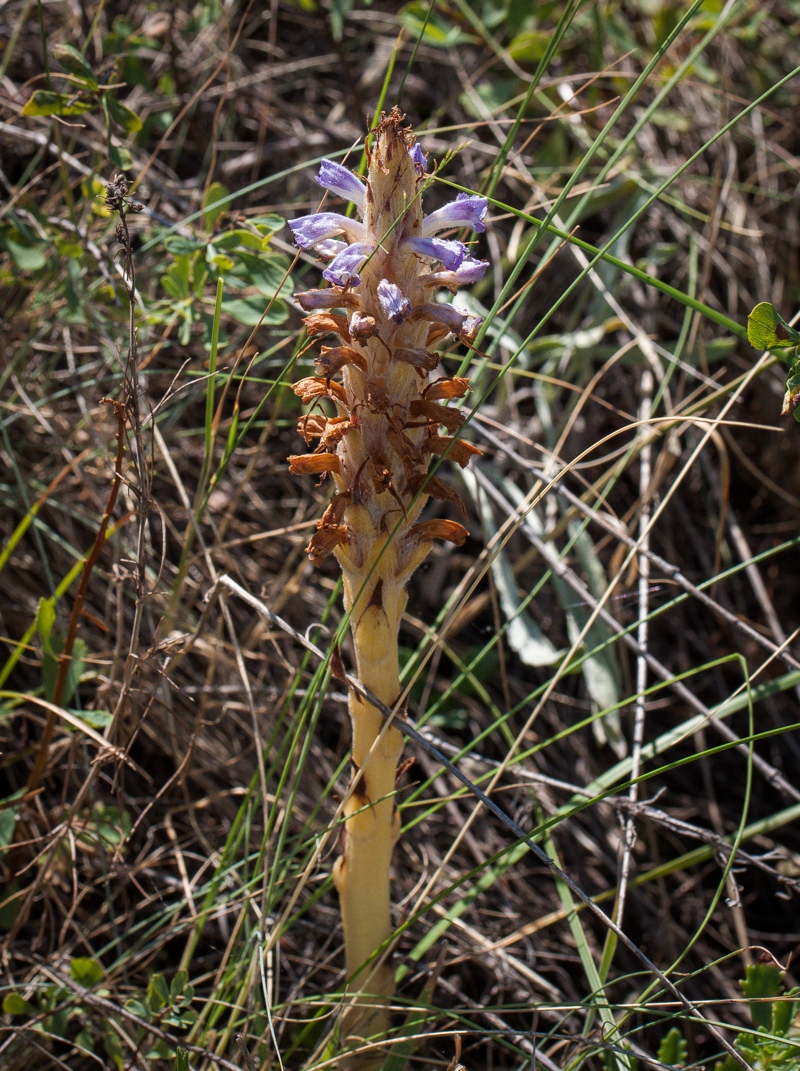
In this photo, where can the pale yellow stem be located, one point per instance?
(371, 820)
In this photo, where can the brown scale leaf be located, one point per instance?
(416, 357)
(459, 450)
(324, 542)
(327, 323)
(333, 359)
(452, 419)
(439, 528)
(456, 387)
(436, 488)
(332, 517)
(312, 426)
(318, 387)
(309, 464)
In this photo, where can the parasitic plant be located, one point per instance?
(384, 271)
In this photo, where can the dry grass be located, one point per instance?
(198, 824)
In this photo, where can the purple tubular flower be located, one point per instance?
(465, 211)
(339, 180)
(451, 254)
(330, 248)
(344, 267)
(463, 324)
(418, 156)
(396, 306)
(468, 272)
(308, 230)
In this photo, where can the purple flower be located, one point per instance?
(344, 267)
(308, 230)
(329, 248)
(465, 211)
(394, 304)
(339, 180)
(332, 298)
(460, 323)
(449, 253)
(418, 157)
(468, 272)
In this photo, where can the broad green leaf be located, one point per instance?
(98, 719)
(248, 311)
(180, 246)
(784, 1013)
(120, 157)
(267, 273)
(672, 1049)
(13, 1004)
(761, 980)
(86, 972)
(529, 46)
(138, 1008)
(182, 1060)
(26, 257)
(212, 211)
(766, 330)
(271, 222)
(122, 114)
(113, 1048)
(157, 993)
(178, 983)
(74, 63)
(233, 239)
(45, 102)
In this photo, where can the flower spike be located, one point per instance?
(378, 421)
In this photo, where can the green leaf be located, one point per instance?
(8, 821)
(529, 46)
(791, 396)
(766, 330)
(215, 192)
(784, 1013)
(438, 31)
(26, 257)
(248, 311)
(672, 1049)
(45, 102)
(113, 1048)
(86, 972)
(268, 274)
(270, 222)
(10, 907)
(98, 719)
(180, 246)
(120, 157)
(124, 116)
(182, 1060)
(74, 63)
(13, 1004)
(233, 239)
(157, 993)
(178, 984)
(761, 980)
(138, 1008)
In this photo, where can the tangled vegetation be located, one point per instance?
(597, 662)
